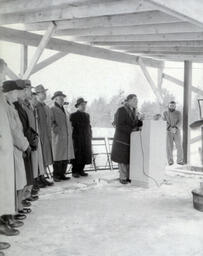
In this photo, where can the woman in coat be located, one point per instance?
(82, 136)
(126, 120)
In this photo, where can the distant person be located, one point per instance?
(173, 119)
(59, 137)
(126, 120)
(82, 136)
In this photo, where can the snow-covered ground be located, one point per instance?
(97, 216)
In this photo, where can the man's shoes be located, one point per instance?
(129, 180)
(181, 163)
(56, 179)
(26, 203)
(16, 224)
(46, 181)
(25, 211)
(170, 164)
(4, 246)
(76, 175)
(20, 217)
(7, 231)
(64, 178)
(33, 198)
(123, 181)
(83, 174)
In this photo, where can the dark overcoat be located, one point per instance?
(82, 137)
(27, 133)
(125, 122)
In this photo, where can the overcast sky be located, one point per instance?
(91, 78)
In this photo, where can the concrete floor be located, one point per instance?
(96, 216)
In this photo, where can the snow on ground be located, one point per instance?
(97, 216)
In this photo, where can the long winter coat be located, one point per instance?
(71, 154)
(7, 173)
(26, 130)
(82, 136)
(44, 124)
(36, 155)
(59, 133)
(125, 121)
(20, 143)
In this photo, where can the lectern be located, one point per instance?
(148, 154)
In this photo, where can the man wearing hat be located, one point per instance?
(21, 146)
(59, 136)
(44, 126)
(82, 136)
(126, 120)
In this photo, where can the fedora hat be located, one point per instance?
(80, 101)
(40, 88)
(58, 93)
(11, 85)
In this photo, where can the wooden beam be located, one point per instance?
(163, 49)
(22, 6)
(190, 11)
(160, 78)
(24, 59)
(42, 45)
(72, 12)
(181, 83)
(48, 61)
(186, 109)
(151, 82)
(23, 37)
(169, 43)
(145, 37)
(130, 19)
(2, 71)
(171, 53)
(166, 28)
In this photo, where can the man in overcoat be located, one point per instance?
(44, 126)
(59, 136)
(126, 120)
(82, 136)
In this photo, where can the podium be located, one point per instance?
(148, 154)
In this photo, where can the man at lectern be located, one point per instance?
(126, 120)
(173, 119)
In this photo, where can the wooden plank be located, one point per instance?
(72, 12)
(48, 61)
(190, 11)
(2, 71)
(151, 82)
(171, 53)
(130, 19)
(24, 59)
(162, 49)
(172, 79)
(146, 37)
(178, 27)
(23, 6)
(186, 109)
(169, 43)
(42, 45)
(23, 37)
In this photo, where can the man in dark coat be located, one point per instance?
(82, 135)
(126, 120)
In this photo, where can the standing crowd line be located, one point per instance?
(33, 137)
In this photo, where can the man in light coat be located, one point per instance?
(59, 136)
(20, 142)
(173, 120)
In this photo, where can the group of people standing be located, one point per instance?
(34, 137)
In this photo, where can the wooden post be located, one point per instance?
(24, 59)
(2, 71)
(186, 109)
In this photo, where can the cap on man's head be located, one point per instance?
(172, 102)
(11, 85)
(80, 101)
(40, 88)
(130, 97)
(58, 93)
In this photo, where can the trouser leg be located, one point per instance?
(64, 168)
(124, 171)
(27, 192)
(75, 167)
(81, 168)
(169, 147)
(179, 148)
(57, 168)
(19, 200)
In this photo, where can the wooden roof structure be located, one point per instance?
(138, 32)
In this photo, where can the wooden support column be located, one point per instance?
(24, 59)
(186, 109)
(2, 71)
(42, 45)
